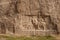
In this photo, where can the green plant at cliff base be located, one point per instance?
(28, 38)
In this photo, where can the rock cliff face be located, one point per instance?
(30, 17)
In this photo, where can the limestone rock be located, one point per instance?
(30, 17)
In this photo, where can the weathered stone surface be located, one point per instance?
(30, 17)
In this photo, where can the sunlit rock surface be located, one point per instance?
(30, 17)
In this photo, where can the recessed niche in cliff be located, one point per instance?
(19, 15)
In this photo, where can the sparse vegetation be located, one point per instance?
(29, 38)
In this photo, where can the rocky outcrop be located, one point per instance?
(30, 17)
